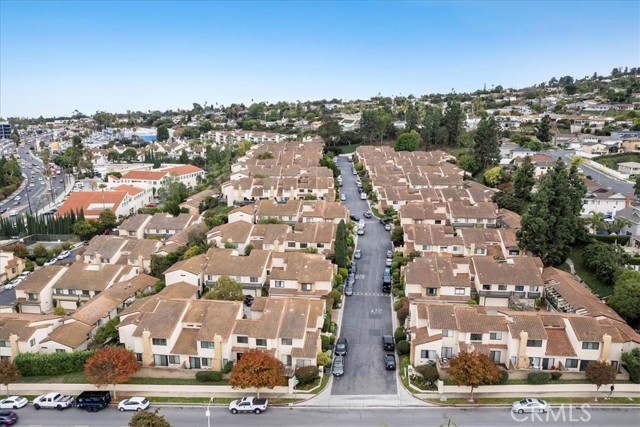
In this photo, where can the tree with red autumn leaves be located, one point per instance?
(473, 370)
(257, 369)
(111, 366)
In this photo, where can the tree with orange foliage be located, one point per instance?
(111, 365)
(257, 369)
(473, 370)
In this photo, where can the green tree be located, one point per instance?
(330, 131)
(409, 141)
(636, 187)
(469, 163)
(148, 419)
(600, 373)
(632, 361)
(129, 154)
(20, 250)
(493, 176)
(341, 244)
(197, 235)
(486, 145)
(543, 131)
(473, 370)
(412, 118)
(433, 132)
(226, 289)
(162, 133)
(524, 180)
(84, 229)
(506, 199)
(39, 251)
(626, 295)
(552, 222)
(107, 219)
(604, 260)
(453, 122)
(397, 236)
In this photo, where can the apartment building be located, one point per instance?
(34, 295)
(23, 333)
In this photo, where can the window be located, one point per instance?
(502, 287)
(447, 333)
(286, 341)
(253, 279)
(4, 343)
(160, 360)
(533, 289)
(33, 297)
(432, 292)
(426, 247)
(291, 244)
(286, 359)
(58, 291)
(174, 360)
(459, 291)
(32, 342)
(514, 253)
(85, 293)
(590, 345)
(495, 356)
(132, 233)
(72, 291)
(243, 340)
(60, 350)
(428, 354)
(303, 246)
(306, 287)
(278, 283)
(206, 361)
(320, 245)
(534, 343)
(261, 342)
(519, 288)
(206, 344)
(495, 336)
(443, 248)
(158, 341)
(486, 287)
(447, 352)
(475, 337)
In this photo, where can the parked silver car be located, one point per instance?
(530, 405)
(338, 366)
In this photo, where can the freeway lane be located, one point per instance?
(298, 417)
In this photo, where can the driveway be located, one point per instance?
(367, 314)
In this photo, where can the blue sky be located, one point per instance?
(56, 57)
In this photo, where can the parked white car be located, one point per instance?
(136, 403)
(12, 284)
(63, 255)
(51, 262)
(13, 402)
(530, 405)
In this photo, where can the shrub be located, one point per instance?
(428, 372)
(327, 323)
(555, 376)
(538, 378)
(307, 374)
(323, 359)
(208, 376)
(40, 261)
(332, 340)
(325, 342)
(403, 347)
(336, 296)
(227, 367)
(400, 334)
(504, 378)
(31, 364)
(403, 312)
(631, 361)
(397, 304)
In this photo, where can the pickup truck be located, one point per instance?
(248, 404)
(93, 401)
(53, 401)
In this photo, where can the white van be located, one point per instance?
(363, 196)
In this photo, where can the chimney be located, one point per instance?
(217, 357)
(141, 264)
(98, 259)
(523, 360)
(15, 350)
(147, 353)
(627, 202)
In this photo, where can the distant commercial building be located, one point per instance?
(5, 130)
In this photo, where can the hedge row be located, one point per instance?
(31, 364)
(208, 376)
(611, 238)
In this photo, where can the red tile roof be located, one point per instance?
(85, 199)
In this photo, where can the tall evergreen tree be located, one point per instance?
(341, 245)
(412, 118)
(162, 133)
(552, 221)
(433, 132)
(486, 145)
(368, 122)
(453, 121)
(524, 179)
(543, 132)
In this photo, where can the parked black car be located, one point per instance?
(93, 401)
(389, 362)
(341, 346)
(8, 418)
(387, 342)
(355, 218)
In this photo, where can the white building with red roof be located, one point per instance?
(187, 174)
(123, 200)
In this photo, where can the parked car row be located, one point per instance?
(91, 401)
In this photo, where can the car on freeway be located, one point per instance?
(348, 290)
(366, 214)
(338, 366)
(8, 418)
(63, 255)
(13, 402)
(389, 362)
(341, 346)
(530, 405)
(387, 343)
(136, 403)
(357, 254)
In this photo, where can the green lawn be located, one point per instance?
(346, 149)
(589, 278)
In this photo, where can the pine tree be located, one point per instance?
(524, 179)
(552, 221)
(486, 145)
(453, 121)
(543, 132)
(341, 245)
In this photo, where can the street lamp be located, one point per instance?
(208, 413)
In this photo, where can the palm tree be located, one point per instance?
(619, 223)
(596, 220)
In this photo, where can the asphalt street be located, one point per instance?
(367, 314)
(597, 176)
(194, 416)
(37, 190)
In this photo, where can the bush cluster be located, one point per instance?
(400, 334)
(227, 367)
(325, 342)
(208, 376)
(428, 372)
(555, 376)
(403, 347)
(538, 378)
(307, 374)
(504, 378)
(31, 364)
